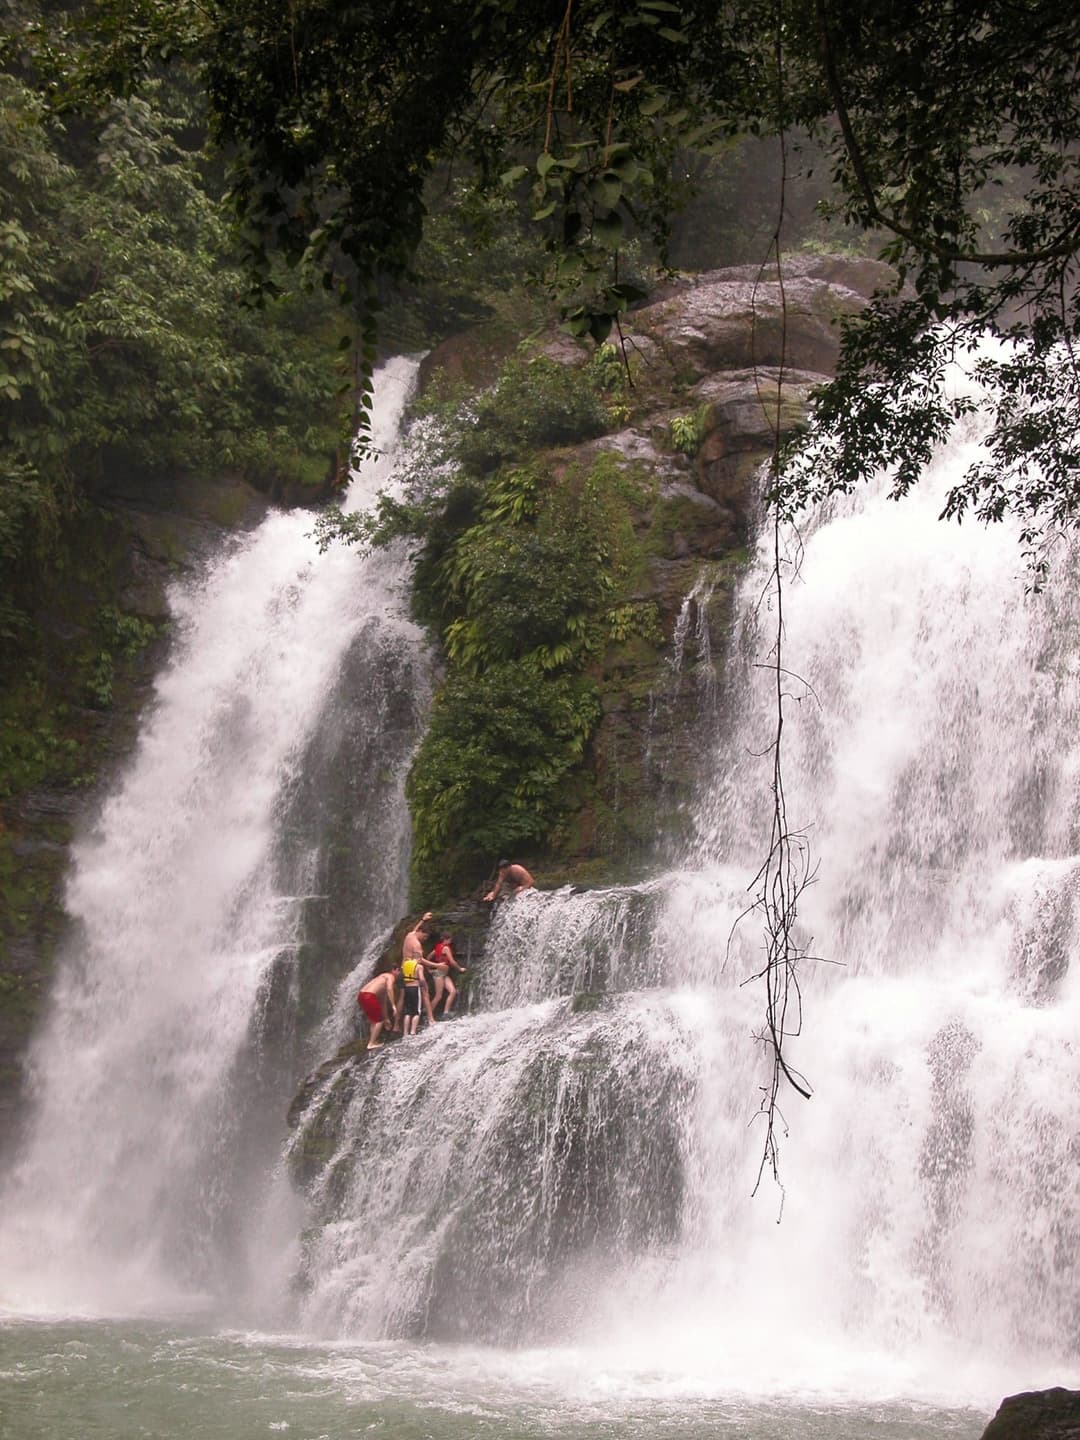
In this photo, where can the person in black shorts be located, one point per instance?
(414, 975)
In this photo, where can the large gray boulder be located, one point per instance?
(1037, 1415)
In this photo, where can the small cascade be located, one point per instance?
(684, 707)
(482, 1172)
(692, 632)
(276, 744)
(569, 943)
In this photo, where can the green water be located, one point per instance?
(113, 1381)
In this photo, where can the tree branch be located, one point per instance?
(1064, 246)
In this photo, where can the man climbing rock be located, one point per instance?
(513, 878)
(377, 999)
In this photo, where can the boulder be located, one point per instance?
(745, 317)
(1037, 1415)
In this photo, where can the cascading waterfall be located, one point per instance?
(160, 1080)
(576, 1159)
(931, 1198)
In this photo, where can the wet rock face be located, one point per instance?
(1037, 1415)
(742, 410)
(727, 323)
(746, 318)
(723, 363)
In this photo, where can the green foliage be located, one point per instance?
(118, 308)
(961, 166)
(35, 740)
(117, 637)
(536, 402)
(639, 619)
(688, 431)
(523, 569)
(499, 745)
(528, 596)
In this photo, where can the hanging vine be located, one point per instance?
(788, 867)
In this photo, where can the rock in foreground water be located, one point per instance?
(1037, 1415)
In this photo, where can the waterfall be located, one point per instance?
(267, 786)
(576, 1159)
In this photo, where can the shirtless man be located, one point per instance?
(377, 1000)
(513, 877)
(414, 976)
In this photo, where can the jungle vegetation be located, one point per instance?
(949, 131)
(165, 163)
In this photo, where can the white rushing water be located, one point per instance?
(568, 1171)
(189, 898)
(577, 1159)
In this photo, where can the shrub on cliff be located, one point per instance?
(490, 771)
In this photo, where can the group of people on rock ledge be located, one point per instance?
(395, 999)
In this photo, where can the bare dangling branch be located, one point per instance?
(788, 866)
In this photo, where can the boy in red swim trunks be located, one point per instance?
(377, 999)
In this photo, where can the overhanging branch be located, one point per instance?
(1064, 246)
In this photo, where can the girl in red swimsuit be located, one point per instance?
(439, 963)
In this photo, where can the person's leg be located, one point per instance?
(440, 980)
(425, 996)
(374, 1043)
(451, 996)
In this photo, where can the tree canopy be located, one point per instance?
(950, 130)
(122, 343)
